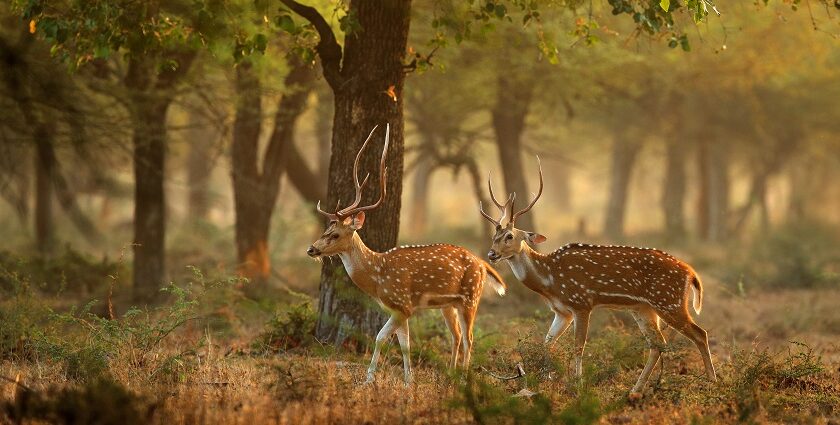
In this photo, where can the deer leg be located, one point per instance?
(581, 331)
(451, 316)
(405, 347)
(562, 321)
(686, 326)
(466, 315)
(701, 340)
(648, 322)
(383, 335)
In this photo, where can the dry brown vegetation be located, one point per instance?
(230, 359)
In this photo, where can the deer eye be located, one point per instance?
(508, 237)
(334, 236)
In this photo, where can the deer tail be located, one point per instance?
(495, 279)
(698, 292)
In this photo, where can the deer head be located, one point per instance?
(343, 223)
(508, 240)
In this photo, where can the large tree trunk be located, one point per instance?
(624, 154)
(673, 193)
(149, 142)
(372, 62)
(44, 173)
(151, 93)
(250, 198)
(513, 98)
(255, 192)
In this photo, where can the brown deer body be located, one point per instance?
(577, 278)
(406, 279)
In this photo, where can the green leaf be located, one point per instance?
(286, 23)
(501, 11)
(260, 42)
(665, 4)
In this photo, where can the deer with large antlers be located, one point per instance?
(577, 278)
(409, 278)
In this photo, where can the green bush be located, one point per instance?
(796, 255)
(70, 271)
(488, 403)
(289, 328)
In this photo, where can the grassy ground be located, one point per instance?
(212, 355)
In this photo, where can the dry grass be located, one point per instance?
(220, 380)
(234, 360)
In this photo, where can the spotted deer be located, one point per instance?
(409, 278)
(577, 278)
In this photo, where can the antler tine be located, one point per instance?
(536, 197)
(493, 196)
(502, 207)
(383, 171)
(487, 216)
(355, 203)
(330, 216)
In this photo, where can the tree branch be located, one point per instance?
(328, 48)
(310, 185)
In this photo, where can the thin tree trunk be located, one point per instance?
(624, 154)
(673, 193)
(44, 172)
(713, 205)
(563, 186)
(255, 192)
(420, 195)
(199, 168)
(513, 98)
(372, 63)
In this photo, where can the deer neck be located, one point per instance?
(362, 264)
(528, 267)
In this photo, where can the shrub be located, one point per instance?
(487, 403)
(796, 255)
(101, 402)
(70, 271)
(289, 328)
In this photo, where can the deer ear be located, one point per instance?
(358, 220)
(536, 238)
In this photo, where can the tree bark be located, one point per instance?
(372, 63)
(255, 192)
(624, 154)
(149, 200)
(513, 97)
(44, 174)
(673, 193)
(151, 93)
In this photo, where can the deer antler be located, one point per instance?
(534, 201)
(502, 207)
(354, 207)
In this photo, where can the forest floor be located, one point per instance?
(212, 356)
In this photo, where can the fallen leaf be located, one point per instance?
(32, 25)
